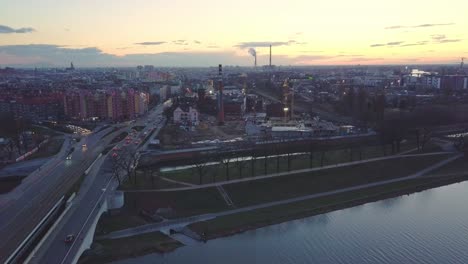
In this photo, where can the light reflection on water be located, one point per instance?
(425, 227)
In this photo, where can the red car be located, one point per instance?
(69, 238)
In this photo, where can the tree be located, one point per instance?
(240, 163)
(225, 160)
(124, 163)
(200, 166)
(12, 128)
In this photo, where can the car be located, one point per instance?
(84, 145)
(69, 157)
(137, 142)
(115, 154)
(69, 238)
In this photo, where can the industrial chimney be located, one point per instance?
(270, 56)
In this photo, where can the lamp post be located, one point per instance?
(285, 110)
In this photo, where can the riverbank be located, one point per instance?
(241, 222)
(109, 250)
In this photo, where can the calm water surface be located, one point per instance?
(426, 227)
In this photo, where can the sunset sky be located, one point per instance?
(208, 32)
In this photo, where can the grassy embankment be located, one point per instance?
(147, 181)
(195, 202)
(217, 173)
(104, 251)
(207, 200)
(49, 149)
(452, 172)
(240, 222)
(7, 184)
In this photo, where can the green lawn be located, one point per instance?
(226, 225)
(109, 250)
(49, 149)
(207, 200)
(7, 184)
(241, 169)
(147, 181)
(183, 203)
(458, 166)
(121, 221)
(299, 184)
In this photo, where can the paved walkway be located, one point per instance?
(291, 172)
(186, 221)
(177, 182)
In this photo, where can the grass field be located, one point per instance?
(109, 250)
(207, 200)
(458, 166)
(279, 188)
(8, 184)
(241, 169)
(51, 148)
(183, 203)
(146, 181)
(112, 223)
(230, 224)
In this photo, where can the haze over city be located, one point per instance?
(204, 33)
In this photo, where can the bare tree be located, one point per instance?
(225, 160)
(240, 162)
(200, 167)
(124, 164)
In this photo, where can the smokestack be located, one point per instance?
(270, 56)
(253, 52)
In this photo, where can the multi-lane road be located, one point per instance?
(97, 186)
(22, 209)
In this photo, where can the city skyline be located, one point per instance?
(205, 33)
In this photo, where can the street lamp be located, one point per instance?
(285, 110)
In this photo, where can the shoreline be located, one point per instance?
(109, 250)
(432, 183)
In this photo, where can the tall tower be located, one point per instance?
(220, 96)
(270, 56)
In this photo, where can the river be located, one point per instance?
(425, 227)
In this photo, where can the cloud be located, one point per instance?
(196, 42)
(151, 43)
(394, 43)
(180, 42)
(433, 25)
(420, 26)
(260, 44)
(438, 37)
(349, 55)
(8, 30)
(419, 43)
(212, 46)
(449, 40)
(49, 55)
